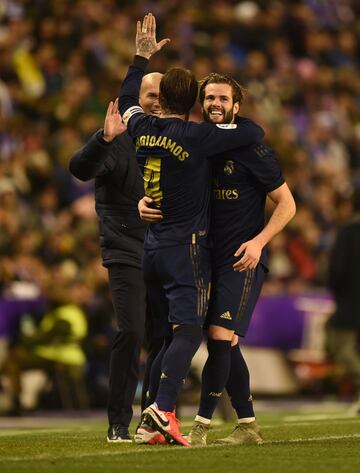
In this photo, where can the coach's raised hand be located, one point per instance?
(113, 124)
(146, 44)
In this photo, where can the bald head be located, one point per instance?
(149, 93)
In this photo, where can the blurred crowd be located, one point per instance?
(61, 61)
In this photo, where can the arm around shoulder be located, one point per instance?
(216, 139)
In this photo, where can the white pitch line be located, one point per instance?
(141, 450)
(307, 417)
(31, 431)
(313, 439)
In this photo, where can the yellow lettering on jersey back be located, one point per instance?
(183, 156)
(170, 145)
(177, 151)
(162, 142)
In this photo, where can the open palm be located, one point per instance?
(113, 124)
(146, 44)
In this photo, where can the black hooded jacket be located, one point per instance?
(118, 188)
(344, 276)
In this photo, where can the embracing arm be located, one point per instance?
(284, 211)
(211, 140)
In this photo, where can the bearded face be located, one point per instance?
(218, 105)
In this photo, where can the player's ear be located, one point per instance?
(236, 108)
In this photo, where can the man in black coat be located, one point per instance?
(109, 157)
(343, 328)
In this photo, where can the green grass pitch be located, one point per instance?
(297, 441)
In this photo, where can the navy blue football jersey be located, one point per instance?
(241, 179)
(172, 156)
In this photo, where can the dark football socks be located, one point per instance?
(238, 385)
(176, 364)
(214, 377)
(155, 373)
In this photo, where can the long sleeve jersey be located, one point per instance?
(172, 154)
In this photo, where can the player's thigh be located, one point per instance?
(186, 273)
(158, 325)
(128, 295)
(233, 298)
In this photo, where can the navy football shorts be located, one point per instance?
(233, 298)
(177, 280)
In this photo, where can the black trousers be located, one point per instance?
(129, 300)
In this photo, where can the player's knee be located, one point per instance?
(216, 332)
(218, 347)
(189, 332)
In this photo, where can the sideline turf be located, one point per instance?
(303, 445)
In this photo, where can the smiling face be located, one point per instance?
(149, 94)
(218, 105)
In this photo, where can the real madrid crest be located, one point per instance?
(229, 167)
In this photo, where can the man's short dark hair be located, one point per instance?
(178, 91)
(214, 78)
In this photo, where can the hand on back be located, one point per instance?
(147, 213)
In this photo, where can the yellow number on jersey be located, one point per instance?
(152, 180)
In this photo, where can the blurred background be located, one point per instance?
(61, 61)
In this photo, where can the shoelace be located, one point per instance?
(242, 427)
(201, 429)
(120, 431)
(248, 429)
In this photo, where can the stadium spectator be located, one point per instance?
(343, 327)
(55, 343)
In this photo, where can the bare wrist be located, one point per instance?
(261, 240)
(108, 138)
(142, 54)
